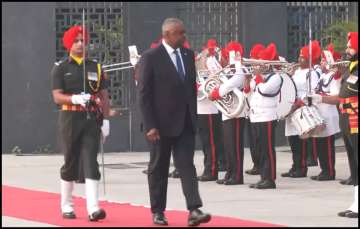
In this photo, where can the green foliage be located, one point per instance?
(336, 33)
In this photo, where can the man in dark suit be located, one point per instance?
(167, 97)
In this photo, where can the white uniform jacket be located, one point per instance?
(329, 86)
(263, 101)
(302, 85)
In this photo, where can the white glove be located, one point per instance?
(315, 99)
(81, 99)
(105, 128)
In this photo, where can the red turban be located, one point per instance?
(315, 49)
(71, 34)
(269, 53)
(254, 53)
(235, 46)
(353, 40)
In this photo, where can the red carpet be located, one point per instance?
(44, 207)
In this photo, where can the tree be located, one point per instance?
(336, 33)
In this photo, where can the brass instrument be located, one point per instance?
(134, 58)
(232, 103)
(338, 64)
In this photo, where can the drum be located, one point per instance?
(286, 97)
(307, 121)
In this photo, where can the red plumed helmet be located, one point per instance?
(353, 40)
(315, 49)
(235, 46)
(255, 50)
(71, 34)
(211, 44)
(269, 53)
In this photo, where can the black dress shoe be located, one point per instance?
(196, 217)
(253, 185)
(352, 214)
(159, 219)
(348, 181)
(266, 184)
(207, 178)
(174, 174)
(343, 213)
(322, 177)
(99, 214)
(287, 174)
(232, 182)
(297, 173)
(221, 181)
(69, 215)
(253, 171)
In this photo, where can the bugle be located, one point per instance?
(134, 58)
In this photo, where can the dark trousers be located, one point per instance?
(183, 155)
(251, 137)
(264, 133)
(351, 145)
(210, 135)
(80, 139)
(312, 151)
(298, 149)
(234, 148)
(326, 147)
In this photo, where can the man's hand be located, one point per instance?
(81, 99)
(105, 129)
(153, 135)
(315, 99)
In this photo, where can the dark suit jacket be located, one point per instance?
(163, 96)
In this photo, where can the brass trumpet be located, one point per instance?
(134, 58)
(338, 64)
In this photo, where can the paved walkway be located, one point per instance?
(295, 202)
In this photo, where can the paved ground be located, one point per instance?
(295, 202)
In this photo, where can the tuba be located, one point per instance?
(233, 102)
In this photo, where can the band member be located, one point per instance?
(264, 88)
(254, 54)
(80, 121)
(233, 128)
(348, 101)
(209, 120)
(167, 99)
(329, 84)
(303, 78)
